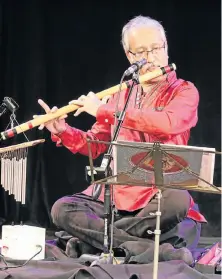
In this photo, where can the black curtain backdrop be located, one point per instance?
(58, 50)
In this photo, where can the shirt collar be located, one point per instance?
(159, 86)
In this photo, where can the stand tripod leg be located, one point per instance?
(157, 233)
(107, 208)
(107, 256)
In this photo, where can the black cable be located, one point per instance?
(117, 101)
(6, 267)
(116, 114)
(97, 188)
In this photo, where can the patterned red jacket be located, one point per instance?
(166, 114)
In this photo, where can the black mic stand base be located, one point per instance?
(93, 260)
(104, 259)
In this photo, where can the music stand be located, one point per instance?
(160, 166)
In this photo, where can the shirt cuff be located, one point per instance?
(105, 115)
(58, 138)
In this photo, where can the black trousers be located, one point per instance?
(82, 217)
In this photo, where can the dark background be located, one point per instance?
(58, 50)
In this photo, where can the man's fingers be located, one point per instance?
(76, 102)
(37, 115)
(105, 99)
(63, 117)
(44, 105)
(54, 109)
(91, 94)
(41, 126)
(80, 110)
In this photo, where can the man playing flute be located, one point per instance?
(163, 109)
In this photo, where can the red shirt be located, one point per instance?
(165, 114)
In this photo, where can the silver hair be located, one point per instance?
(138, 22)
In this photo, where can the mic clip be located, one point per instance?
(8, 104)
(135, 67)
(98, 172)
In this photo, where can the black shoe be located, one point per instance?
(72, 247)
(168, 253)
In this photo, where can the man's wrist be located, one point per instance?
(61, 132)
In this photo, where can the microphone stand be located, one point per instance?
(107, 255)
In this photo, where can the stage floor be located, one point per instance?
(59, 266)
(69, 268)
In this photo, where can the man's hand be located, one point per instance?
(89, 104)
(55, 126)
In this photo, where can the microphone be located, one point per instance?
(135, 67)
(2, 109)
(8, 104)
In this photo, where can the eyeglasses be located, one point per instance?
(144, 54)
